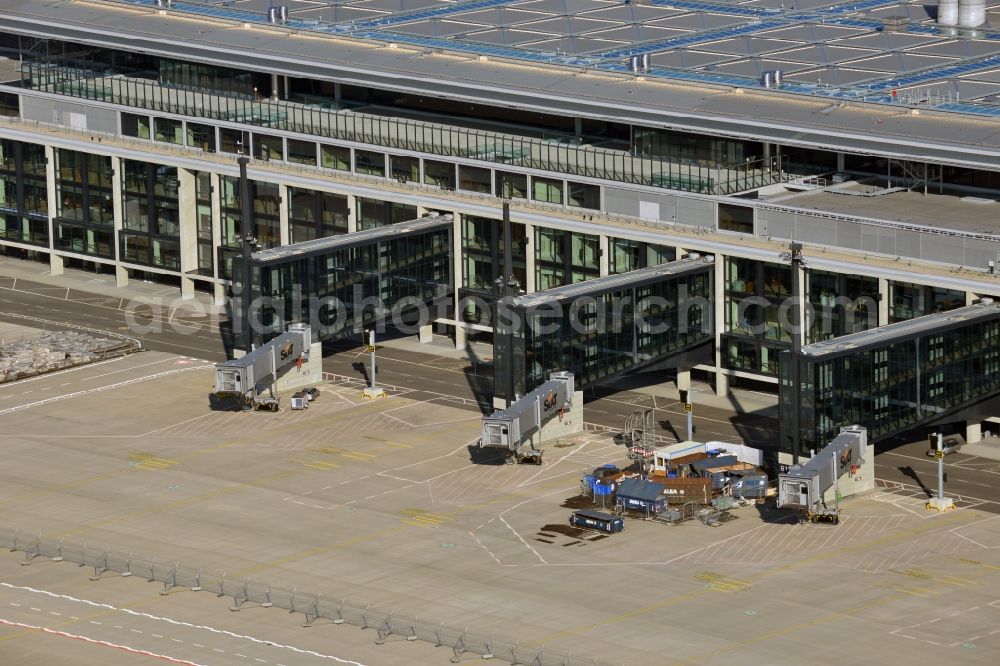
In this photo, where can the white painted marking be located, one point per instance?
(94, 641)
(181, 623)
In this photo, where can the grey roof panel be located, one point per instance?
(885, 335)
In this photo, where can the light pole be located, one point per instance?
(248, 239)
(939, 503)
(795, 258)
(507, 288)
(372, 392)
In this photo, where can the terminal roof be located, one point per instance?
(571, 56)
(903, 331)
(330, 244)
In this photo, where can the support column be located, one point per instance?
(187, 204)
(274, 87)
(973, 432)
(529, 259)
(352, 213)
(457, 280)
(604, 260)
(883, 301)
(117, 173)
(719, 323)
(219, 294)
(55, 261)
(56, 264)
(970, 298)
(840, 162)
(284, 233)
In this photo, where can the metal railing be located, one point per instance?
(404, 134)
(313, 606)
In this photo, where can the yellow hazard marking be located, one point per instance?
(421, 518)
(149, 461)
(722, 583)
(321, 465)
(922, 592)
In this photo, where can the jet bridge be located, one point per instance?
(807, 487)
(250, 376)
(518, 430)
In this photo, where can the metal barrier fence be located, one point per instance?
(313, 606)
(328, 120)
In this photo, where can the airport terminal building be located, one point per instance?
(625, 134)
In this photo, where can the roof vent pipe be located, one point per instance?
(767, 79)
(635, 64)
(647, 62)
(947, 12)
(283, 13)
(971, 13)
(272, 14)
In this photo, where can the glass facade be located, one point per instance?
(373, 213)
(313, 214)
(206, 223)
(151, 233)
(84, 204)
(482, 262)
(893, 384)
(907, 301)
(265, 201)
(840, 304)
(24, 205)
(754, 334)
(345, 281)
(564, 257)
(602, 332)
(629, 255)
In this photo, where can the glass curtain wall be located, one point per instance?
(265, 201)
(84, 204)
(374, 213)
(415, 266)
(629, 255)
(482, 262)
(841, 304)
(564, 257)
(24, 204)
(313, 214)
(151, 224)
(603, 334)
(754, 333)
(206, 223)
(892, 387)
(907, 301)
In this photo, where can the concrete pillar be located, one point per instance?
(604, 260)
(970, 298)
(719, 323)
(118, 203)
(529, 260)
(801, 305)
(426, 334)
(55, 264)
(352, 213)
(973, 432)
(52, 194)
(187, 204)
(458, 279)
(683, 380)
(421, 211)
(883, 301)
(840, 162)
(219, 294)
(284, 233)
(274, 87)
